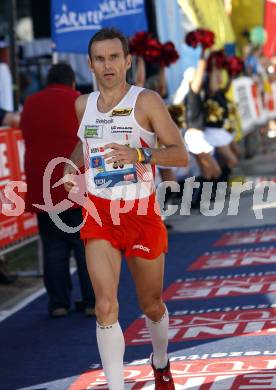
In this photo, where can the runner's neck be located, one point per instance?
(110, 98)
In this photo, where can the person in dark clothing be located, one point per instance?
(216, 114)
(49, 126)
(195, 124)
(206, 113)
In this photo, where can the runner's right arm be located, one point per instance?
(77, 154)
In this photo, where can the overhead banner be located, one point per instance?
(74, 22)
(270, 28)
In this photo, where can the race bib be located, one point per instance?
(108, 175)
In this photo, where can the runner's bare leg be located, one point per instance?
(104, 266)
(148, 277)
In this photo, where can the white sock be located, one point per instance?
(159, 337)
(111, 345)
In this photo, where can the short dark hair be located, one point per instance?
(109, 33)
(61, 74)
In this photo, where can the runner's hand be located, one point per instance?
(69, 175)
(121, 154)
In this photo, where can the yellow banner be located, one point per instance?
(245, 15)
(211, 15)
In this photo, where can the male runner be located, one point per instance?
(119, 126)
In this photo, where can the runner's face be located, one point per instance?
(109, 63)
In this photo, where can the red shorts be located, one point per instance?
(133, 227)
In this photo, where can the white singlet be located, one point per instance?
(113, 181)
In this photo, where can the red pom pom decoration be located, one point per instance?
(200, 36)
(169, 54)
(138, 43)
(144, 45)
(153, 51)
(234, 66)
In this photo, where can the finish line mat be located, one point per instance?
(220, 290)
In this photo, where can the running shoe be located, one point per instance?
(163, 377)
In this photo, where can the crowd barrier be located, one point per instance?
(14, 231)
(255, 107)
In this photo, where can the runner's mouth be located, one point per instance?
(109, 74)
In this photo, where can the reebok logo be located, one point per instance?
(141, 247)
(104, 121)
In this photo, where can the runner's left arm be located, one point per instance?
(152, 114)
(173, 152)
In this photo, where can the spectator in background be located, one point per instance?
(252, 61)
(206, 115)
(49, 126)
(7, 116)
(6, 95)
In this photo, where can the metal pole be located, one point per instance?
(13, 50)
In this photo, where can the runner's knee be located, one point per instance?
(106, 308)
(153, 308)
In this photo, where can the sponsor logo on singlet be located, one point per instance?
(121, 112)
(121, 130)
(93, 131)
(97, 150)
(104, 121)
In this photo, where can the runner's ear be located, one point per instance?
(128, 61)
(90, 66)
